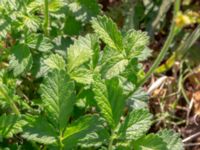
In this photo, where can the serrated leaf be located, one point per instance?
(116, 68)
(39, 42)
(113, 63)
(110, 99)
(58, 97)
(116, 98)
(82, 75)
(39, 130)
(21, 59)
(138, 100)
(150, 142)
(39, 68)
(101, 97)
(136, 124)
(95, 139)
(79, 53)
(172, 139)
(31, 22)
(55, 61)
(145, 53)
(108, 32)
(135, 42)
(78, 130)
(10, 125)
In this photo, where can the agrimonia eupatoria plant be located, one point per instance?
(78, 98)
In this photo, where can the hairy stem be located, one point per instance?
(46, 17)
(10, 101)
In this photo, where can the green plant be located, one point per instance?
(78, 98)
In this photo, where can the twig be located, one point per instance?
(192, 144)
(191, 137)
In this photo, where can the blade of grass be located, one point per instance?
(181, 51)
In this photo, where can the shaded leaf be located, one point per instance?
(172, 139)
(21, 59)
(39, 42)
(39, 130)
(78, 130)
(10, 125)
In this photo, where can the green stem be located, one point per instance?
(111, 140)
(164, 48)
(46, 17)
(10, 101)
(60, 141)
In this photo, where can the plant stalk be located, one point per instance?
(111, 141)
(46, 17)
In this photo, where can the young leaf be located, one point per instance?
(78, 130)
(79, 53)
(58, 97)
(10, 125)
(150, 142)
(172, 139)
(39, 130)
(55, 61)
(21, 59)
(108, 32)
(137, 123)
